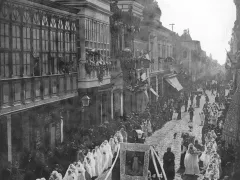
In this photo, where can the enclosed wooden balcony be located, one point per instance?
(23, 93)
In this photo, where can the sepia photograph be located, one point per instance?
(119, 89)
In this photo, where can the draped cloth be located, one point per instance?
(191, 162)
(231, 126)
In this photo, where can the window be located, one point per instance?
(68, 84)
(17, 91)
(54, 85)
(46, 87)
(44, 20)
(36, 40)
(16, 37)
(37, 88)
(16, 15)
(45, 40)
(73, 43)
(16, 64)
(26, 64)
(4, 35)
(163, 51)
(74, 61)
(67, 42)
(53, 63)
(27, 90)
(4, 12)
(4, 63)
(61, 85)
(26, 38)
(45, 63)
(53, 40)
(6, 93)
(74, 83)
(60, 41)
(159, 50)
(185, 54)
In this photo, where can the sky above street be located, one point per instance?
(208, 21)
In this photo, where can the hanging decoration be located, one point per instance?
(64, 65)
(94, 62)
(129, 64)
(123, 20)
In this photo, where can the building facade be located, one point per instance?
(52, 54)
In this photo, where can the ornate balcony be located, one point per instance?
(93, 75)
(23, 93)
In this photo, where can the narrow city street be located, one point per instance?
(164, 137)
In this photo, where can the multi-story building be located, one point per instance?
(231, 130)
(191, 54)
(144, 36)
(94, 67)
(52, 54)
(162, 49)
(128, 38)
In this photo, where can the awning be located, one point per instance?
(173, 81)
(154, 92)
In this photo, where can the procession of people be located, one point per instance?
(206, 157)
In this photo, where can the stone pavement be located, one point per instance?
(164, 137)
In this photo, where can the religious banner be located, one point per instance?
(134, 161)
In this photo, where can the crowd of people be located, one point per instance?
(212, 159)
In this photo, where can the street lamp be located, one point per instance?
(85, 102)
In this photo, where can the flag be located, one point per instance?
(143, 77)
(229, 57)
(228, 61)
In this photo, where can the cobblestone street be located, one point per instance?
(164, 137)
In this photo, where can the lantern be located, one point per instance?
(85, 101)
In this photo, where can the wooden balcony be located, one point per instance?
(93, 78)
(27, 92)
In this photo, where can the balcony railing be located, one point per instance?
(93, 76)
(22, 93)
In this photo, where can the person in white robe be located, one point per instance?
(92, 163)
(124, 134)
(119, 136)
(105, 156)
(98, 161)
(54, 176)
(87, 166)
(112, 144)
(109, 152)
(191, 161)
(71, 173)
(81, 171)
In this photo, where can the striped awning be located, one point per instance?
(173, 81)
